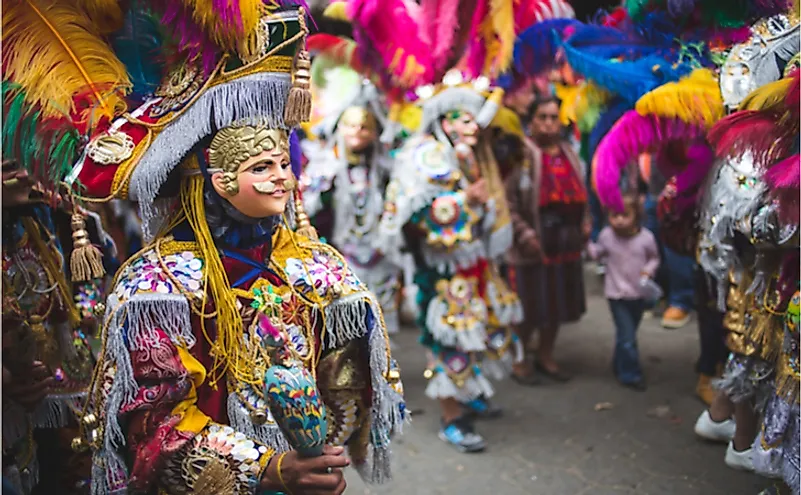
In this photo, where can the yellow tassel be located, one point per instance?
(227, 348)
(304, 226)
(695, 99)
(86, 260)
(299, 102)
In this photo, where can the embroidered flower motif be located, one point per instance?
(324, 273)
(149, 275)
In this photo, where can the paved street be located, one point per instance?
(552, 441)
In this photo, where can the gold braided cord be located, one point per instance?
(227, 348)
(53, 268)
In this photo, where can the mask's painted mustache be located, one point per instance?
(269, 187)
(266, 187)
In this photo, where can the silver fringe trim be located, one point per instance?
(55, 411)
(463, 257)
(346, 318)
(470, 339)
(268, 434)
(442, 387)
(137, 318)
(747, 378)
(387, 417)
(260, 96)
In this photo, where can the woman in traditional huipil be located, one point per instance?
(548, 204)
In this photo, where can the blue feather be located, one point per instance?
(138, 45)
(535, 49)
(628, 79)
(614, 110)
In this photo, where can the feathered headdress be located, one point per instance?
(634, 134)
(767, 125)
(55, 55)
(695, 99)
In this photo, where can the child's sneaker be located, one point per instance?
(482, 408)
(460, 435)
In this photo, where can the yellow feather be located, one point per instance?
(768, 97)
(54, 53)
(569, 96)
(695, 99)
(336, 12)
(503, 22)
(105, 14)
(226, 35)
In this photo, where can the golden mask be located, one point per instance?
(232, 146)
(358, 117)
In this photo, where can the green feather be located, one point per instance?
(47, 156)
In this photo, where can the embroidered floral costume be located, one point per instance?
(219, 296)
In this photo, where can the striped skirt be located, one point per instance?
(552, 291)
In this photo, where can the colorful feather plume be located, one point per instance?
(695, 99)
(388, 30)
(225, 22)
(107, 15)
(192, 42)
(503, 24)
(439, 20)
(138, 46)
(784, 180)
(341, 51)
(46, 148)
(612, 113)
(47, 41)
(628, 79)
(767, 124)
(536, 47)
(581, 104)
(632, 135)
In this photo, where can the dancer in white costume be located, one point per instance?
(345, 181)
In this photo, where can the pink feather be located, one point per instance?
(473, 62)
(443, 41)
(786, 174)
(395, 35)
(632, 135)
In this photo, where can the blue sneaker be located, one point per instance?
(483, 409)
(460, 435)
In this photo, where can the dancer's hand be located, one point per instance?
(28, 393)
(532, 246)
(320, 475)
(477, 193)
